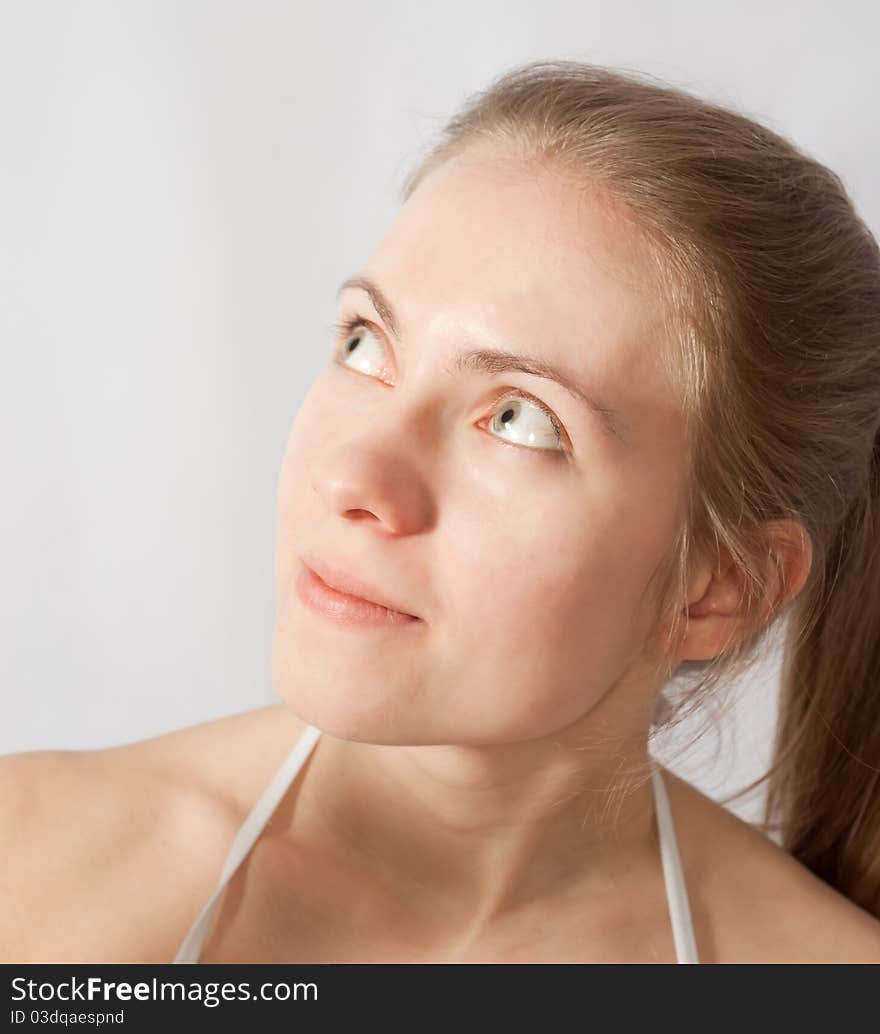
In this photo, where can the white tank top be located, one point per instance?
(246, 837)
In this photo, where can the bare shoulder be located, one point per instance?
(230, 758)
(115, 850)
(753, 902)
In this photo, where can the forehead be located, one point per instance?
(490, 247)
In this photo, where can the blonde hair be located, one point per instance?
(770, 285)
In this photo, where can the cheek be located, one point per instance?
(294, 494)
(530, 557)
(533, 595)
(545, 612)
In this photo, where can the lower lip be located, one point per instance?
(345, 609)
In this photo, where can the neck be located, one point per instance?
(472, 833)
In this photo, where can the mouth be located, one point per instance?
(343, 595)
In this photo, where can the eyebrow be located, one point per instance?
(485, 360)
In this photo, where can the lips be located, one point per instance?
(342, 581)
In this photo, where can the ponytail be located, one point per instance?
(824, 785)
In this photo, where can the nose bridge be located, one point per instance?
(424, 379)
(419, 405)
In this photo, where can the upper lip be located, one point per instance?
(342, 581)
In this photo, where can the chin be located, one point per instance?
(338, 706)
(349, 689)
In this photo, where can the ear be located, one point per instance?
(716, 607)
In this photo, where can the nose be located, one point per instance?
(370, 478)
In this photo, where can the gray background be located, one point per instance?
(182, 186)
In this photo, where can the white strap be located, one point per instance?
(676, 891)
(248, 833)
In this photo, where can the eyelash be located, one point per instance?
(346, 327)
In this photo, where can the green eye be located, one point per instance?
(520, 419)
(526, 421)
(353, 347)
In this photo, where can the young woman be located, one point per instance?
(601, 408)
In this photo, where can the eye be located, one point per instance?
(358, 347)
(528, 421)
(519, 417)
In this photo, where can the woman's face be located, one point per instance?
(526, 551)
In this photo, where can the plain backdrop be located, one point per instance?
(182, 186)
